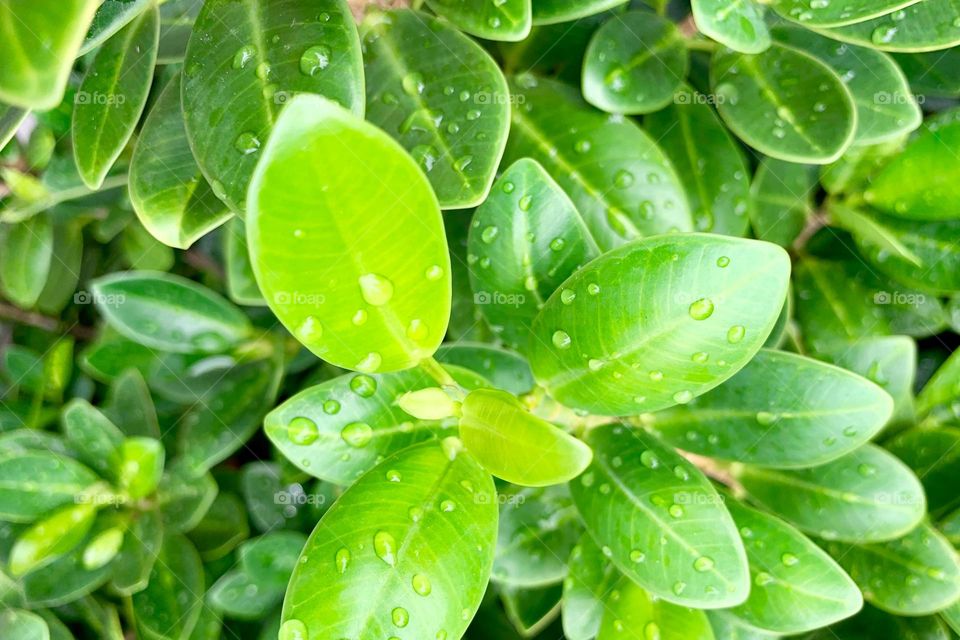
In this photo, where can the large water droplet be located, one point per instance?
(310, 329)
(412, 84)
(489, 234)
(293, 630)
(701, 309)
(357, 434)
(303, 431)
(342, 560)
(243, 56)
(400, 617)
(789, 559)
(363, 386)
(703, 563)
(649, 459)
(561, 339)
(376, 289)
(385, 547)
(736, 333)
(421, 584)
(331, 407)
(314, 60)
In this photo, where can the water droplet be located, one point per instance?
(525, 203)
(342, 560)
(489, 234)
(561, 339)
(735, 334)
(310, 329)
(314, 60)
(415, 513)
(293, 630)
(385, 547)
(394, 476)
(359, 318)
(582, 146)
(637, 556)
(593, 288)
(701, 309)
(866, 470)
(679, 587)
(447, 506)
(656, 376)
(700, 357)
(683, 397)
(400, 617)
(651, 631)
(763, 578)
(331, 407)
(681, 473)
(703, 563)
(376, 289)
(567, 296)
(557, 244)
(370, 363)
(243, 56)
(623, 179)
(433, 273)
(766, 418)
(789, 559)
(357, 434)
(649, 459)
(363, 386)
(675, 511)
(263, 70)
(303, 431)
(412, 84)
(421, 584)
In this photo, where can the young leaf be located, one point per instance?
(513, 444)
(223, 527)
(922, 182)
(607, 341)
(634, 64)
(259, 56)
(662, 521)
(140, 466)
(643, 613)
(168, 192)
(350, 299)
(51, 537)
(168, 609)
(129, 405)
(738, 25)
(508, 20)
(796, 586)
(169, 313)
(553, 11)
(10, 120)
(25, 259)
(428, 544)
(525, 240)
(784, 103)
(890, 362)
(781, 410)
(915, 575)
(618, 179)
(592, 576)
(340, 429)
(40, 41)
(455, 132)
(33, 483)
(112, 96)
(939, 395)
(710, 164)
(931, 25)
(865, 496)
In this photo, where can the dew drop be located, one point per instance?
(735, 334)
(314, 60)
(376, 289)
(363, 386)
(703, 563)
(359, 318)
(789, 559)
(489, 234)
(331, 407)
(701, 309)
(342, 560)
(400, 617)
(637, 556)
(394, 476)
(246, 143)
(421, 584)
(593, 288)
(649, 459)
(683, 397)
(293, 630)
(310, 329)
(675, 511)
(561, 339)
(651, 631)
(303, 431)
(557, 244)
(766, 418)
(525, 203)
(567, 296)
(433, 273)
(412, 84)
(679, 587)
(357, 434)
(723, 262)
(243, 56)
(385, 547)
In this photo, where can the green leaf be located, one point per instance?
(354, 302)
(796, 587)
(33, 483)
(238, 595)
(140, 467)
(553, 11)
(634, 64)
(890, 362)
(885, 105)
(865, 229)
(241, 283)
(738, 25)
(782, 195)
(130, 406)
(341, 428)
(455, 132)
(18, 624)
(170, 605)
(934, 455)
(112, 96)
(274, 502)
(507, 20)
(662, 521)
(939, 395)
(931, 25)
(141, 544)
(183, 497)
(525, 240)
(65, 267)
(40, 41)
(96, 440)
(612, 347)
(591, 578)
(110, 355)
(513, 444)
(172, 199)
(259, 56)
(936, 73)
(177, 18)
(813, 14)
(270, 559)
(51, 537)
(865, 496)
(784, 103)
(710, 164)
(504, 369)
(619, 180)
(921, 182)
(641, 612)
(169, 312)
(531, 610)
(537, 531)
(111, 17)
(728, 627)
(10, 120)
(917, 574)
(426, 541)
(223, 527)
(25, 260)
(781, 410)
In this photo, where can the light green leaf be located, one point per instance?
(65, 267)
(612, 348)
(524, 241)
(640, 612)
(340, 429)
(663, 522)
(620, 181)
(361, 277)
(129, 405)
(38, 44)
(867, 495)
(553, 11)
(710, 164)
(811, 13)
(455, 133)
(259, 57)
(35, 482)
(858, 165)
(931, 25)
(782, 200)
(784, 103)
(728, 627)
(885, 105)
(19, 624)
(177, 18)
(934, 455)
(111, 17)
(112, 96)
(781, 410)
(10, 120)
(915, 575)
(168, 609)
(921, 183)
(25, 259)
(634, 64)
(738, 25)
(426, 541)
(591, 578)
(140, 467)
(241, 283)
(168, 192)
(508, 20)
(51, 537)
(863, 227)
(796, 587)
(939, 396)
(169, 312)
(513, 444)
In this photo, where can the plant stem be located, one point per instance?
(433, 369)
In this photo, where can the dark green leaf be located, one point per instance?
(931, 25)
(33, 483)
(170, 605)
(505, 20)
(591, 578)
(25, 259)
(738, 25)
